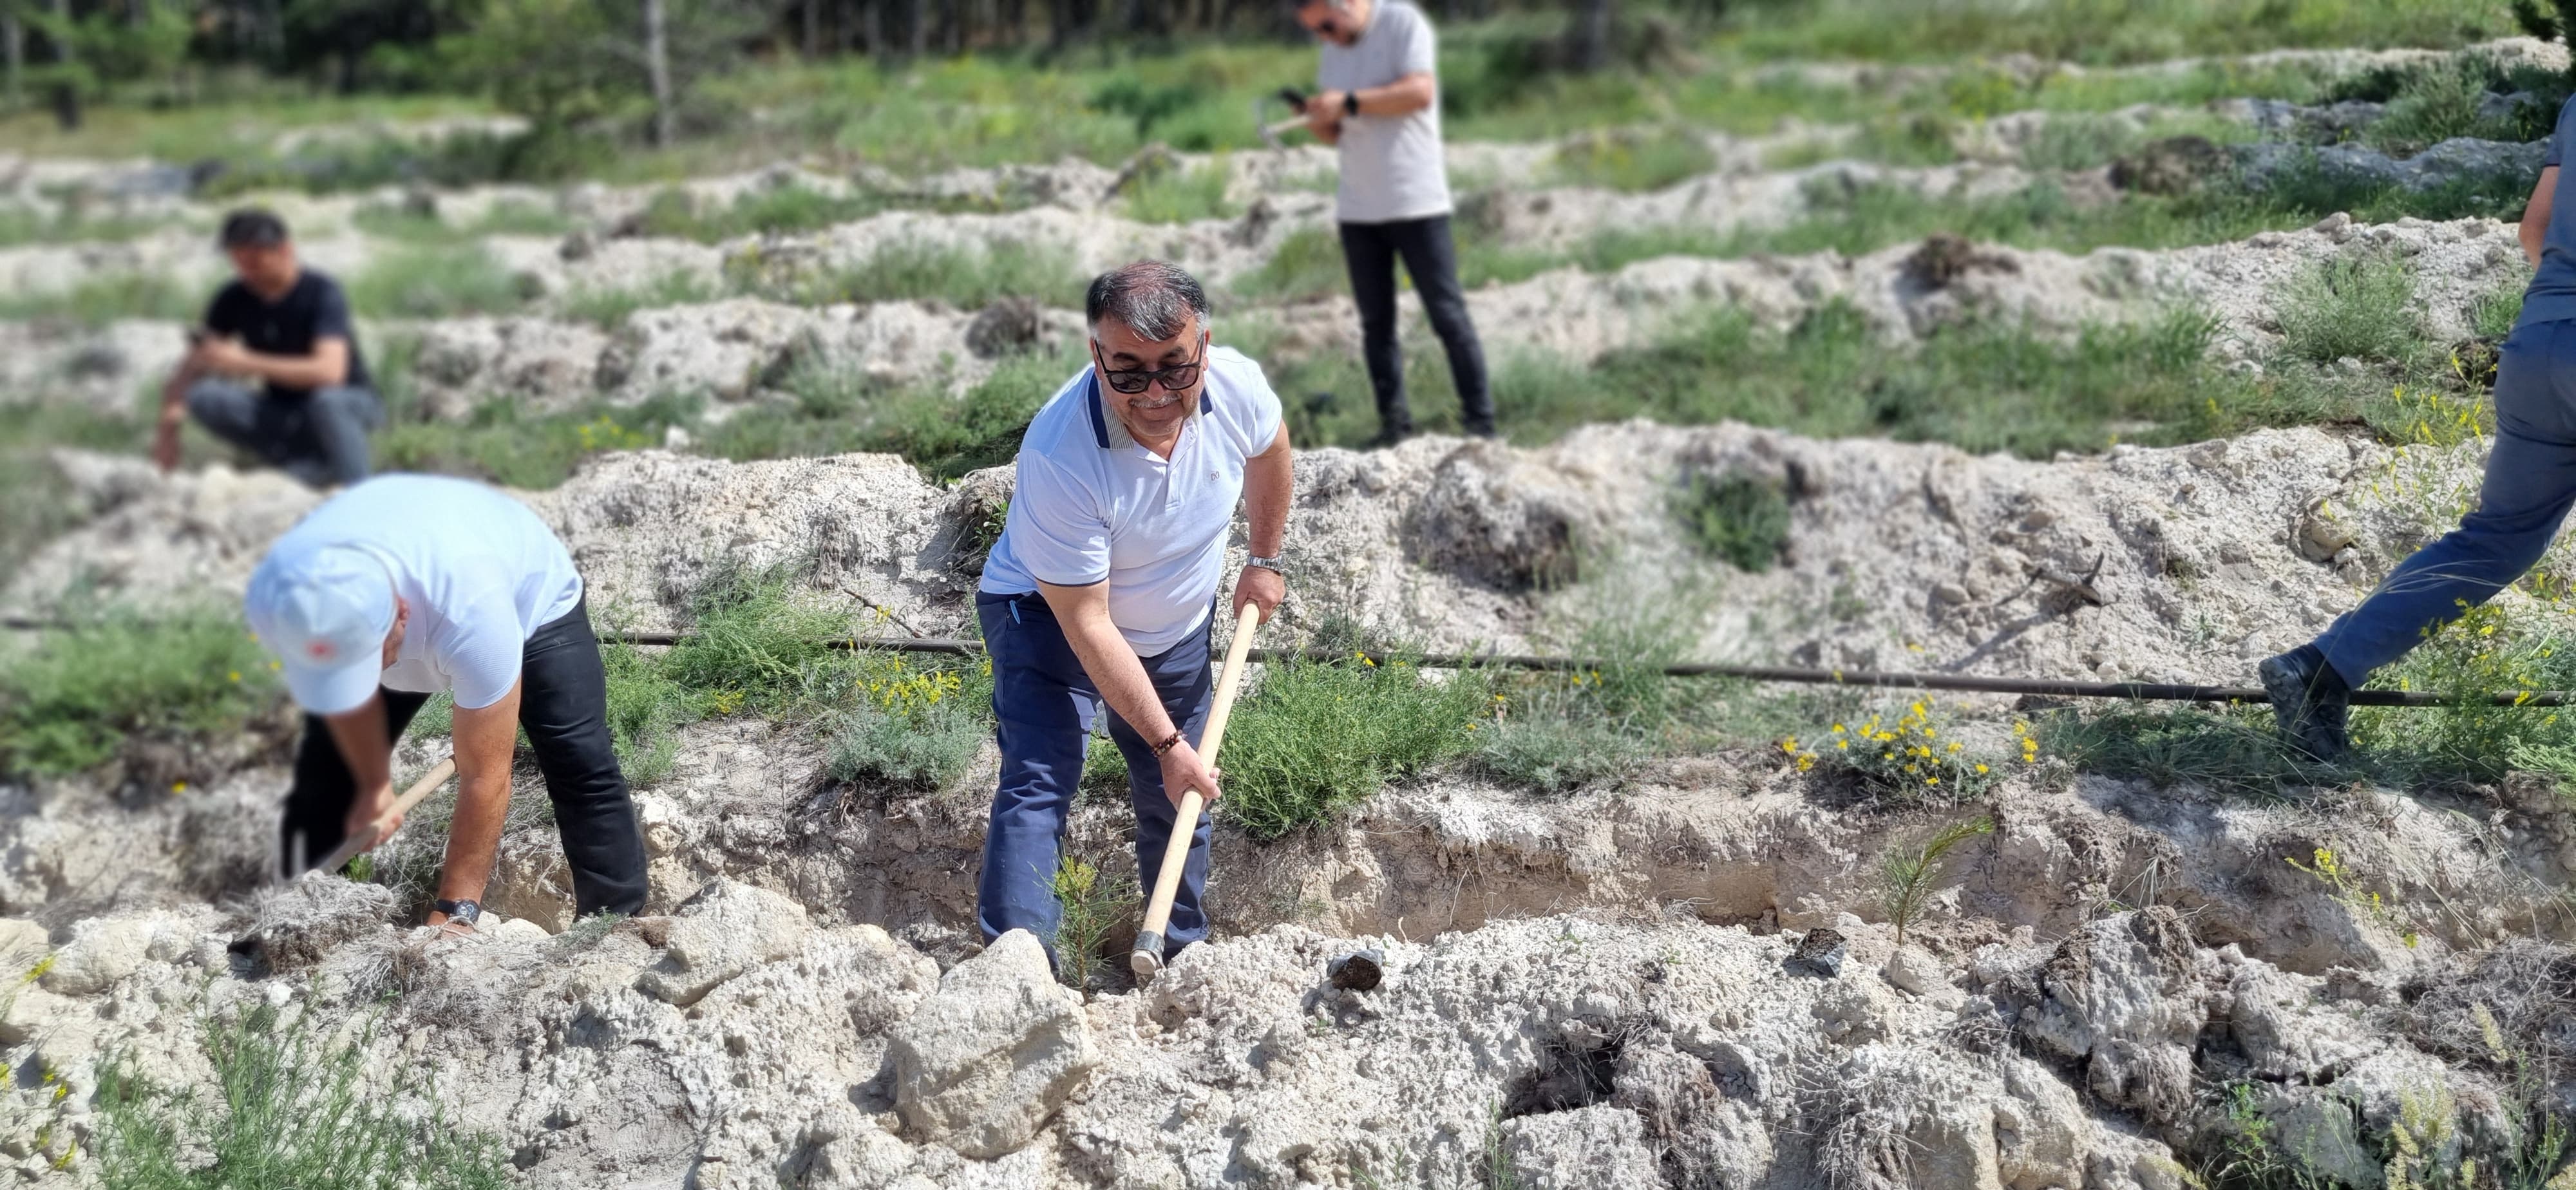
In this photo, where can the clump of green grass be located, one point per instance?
(2439, 101)
(608, 306)
(835, 411)
(506, 217)
(1907, 874)
(1319, 737)
(290, 1107)
(1739, 520)
(105, 298)
(505, 443)
(1913, 757)
(646, 710)
(1561, 731)
(922, 736)
(2493, 313)
(1305, 266)
(964, 276)
(2486, 651)
(1094, 904)
(20, 225)
(2362, 307)
(774, 210)
(446, 282)
(71, 698)
(1637, 159)
(1175, 195)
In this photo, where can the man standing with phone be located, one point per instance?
(1380, 104)
(288, 328)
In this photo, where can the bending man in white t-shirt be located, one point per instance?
(406, 585)
(1104, 584)
(1381, 104)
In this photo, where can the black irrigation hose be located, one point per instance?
(2045, 687)
(2144, 691)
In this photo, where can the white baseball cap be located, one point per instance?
(324, 610)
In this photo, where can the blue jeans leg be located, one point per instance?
(2530, 482)
(1182, 681)
(1044, 703)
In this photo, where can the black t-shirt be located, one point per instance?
(315, 309)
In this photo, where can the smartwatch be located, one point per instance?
(1270, 564)
(1350, 103)
(468, 912)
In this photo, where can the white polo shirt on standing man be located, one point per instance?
(1393, 167)
(1094, 506)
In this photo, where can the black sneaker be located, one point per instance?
(2309, 701)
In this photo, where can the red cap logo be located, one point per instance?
(320, 650)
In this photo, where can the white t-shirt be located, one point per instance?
(480, 572)
(1094, 506)
(1392, 166)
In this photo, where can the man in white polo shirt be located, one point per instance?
(1381, 104)
(1104, 583)
(406, 585)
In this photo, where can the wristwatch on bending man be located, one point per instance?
(1270, 564)
(1350, 103)
(468, 912)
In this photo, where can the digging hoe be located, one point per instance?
(1148, 955)
(419, 791)
(1272, 129)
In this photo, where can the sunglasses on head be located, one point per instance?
(1173, 379)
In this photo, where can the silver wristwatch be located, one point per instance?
(1269, 564)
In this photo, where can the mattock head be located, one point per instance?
(1146, 960)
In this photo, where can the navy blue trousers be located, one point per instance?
(1044, 703)
(2530, 481)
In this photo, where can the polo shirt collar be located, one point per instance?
(1110, 432)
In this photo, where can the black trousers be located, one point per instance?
(1431, 259)
(563, 704)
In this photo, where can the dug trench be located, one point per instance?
(1689, 976)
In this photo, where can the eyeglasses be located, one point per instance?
(1173, 379)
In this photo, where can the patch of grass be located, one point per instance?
(507, 444)
(772, 210)
(609, 306)
(2486, 651)
(967, 277)
(2098, 34)
(1913, 757)
(516, 217)
(945, 435)
(1633, 160)
(2493, 313)
(1094, 904)
(646, 710)
(2361, 307)
(39, 504)
(291, 1106)
(2438, 102)
(1561, 731)
(924, 737)
(2234, 750)
(1736, 519)
(1172, 195)
(72, 697)
(22, 225)
(447, 282)
(104, 298)
(1317, 738)
(1305, 266)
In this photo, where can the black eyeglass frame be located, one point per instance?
(1177, 378)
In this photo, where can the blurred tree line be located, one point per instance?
(564, 62)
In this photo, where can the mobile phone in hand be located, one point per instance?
(1293, 98)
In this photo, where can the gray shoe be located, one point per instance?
(2309, 701)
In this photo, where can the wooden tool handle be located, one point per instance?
(418, 793)
(1147, 958)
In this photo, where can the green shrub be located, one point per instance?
(2484, 652)
(1553, 754)
(2439, 101)
(2493, 313)
(69, 700)
(291, 1107)
(2351, 306)
(1305, 266)
(1633, 160)
(917, 743)
(446, 282)
(608, 307)
(1095, 903)
(1914, 757)
(1172, 195)
(1317, 738)
(646, 710)
(1738, 520)
(753, 643)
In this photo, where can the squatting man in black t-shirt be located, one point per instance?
(286, 327)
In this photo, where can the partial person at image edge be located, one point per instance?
(407, 585)
(2529, 484)
(1104, 584)
(1380, 106)
(275, 369)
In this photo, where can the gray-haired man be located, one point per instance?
(1104, 582)
(1381, 105)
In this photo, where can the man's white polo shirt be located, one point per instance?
(1092, 505)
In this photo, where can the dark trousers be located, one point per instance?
(1431, 259)
(319, 438)
(1044, 703)
(2530, 481)
(563, 704)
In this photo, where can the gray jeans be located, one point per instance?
(319, 438)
